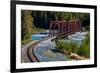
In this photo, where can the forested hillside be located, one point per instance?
(37, 21)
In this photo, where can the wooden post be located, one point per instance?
(59, 28)
(50, 29)
(69, 27)
(75, 26)
(62, 28)
(65, 27)
(53, 28)
(72, 26)
(80, 26)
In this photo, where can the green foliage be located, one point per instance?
(59, 45)
(27, 24)
(25, 41)
(38, 21)
(83, 50)
(37, 30)
(68, 46)
(43, 18)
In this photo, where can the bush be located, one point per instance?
(67, 46)
(26, 41)
(83, 50)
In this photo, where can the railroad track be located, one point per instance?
(31, 54)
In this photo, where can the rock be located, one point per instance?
(48, 53)
(76, 57)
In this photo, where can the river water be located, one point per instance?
(45, 51)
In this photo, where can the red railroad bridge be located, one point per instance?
(64, 28)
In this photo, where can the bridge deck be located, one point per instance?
(64, 28)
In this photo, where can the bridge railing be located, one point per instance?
(64, 27)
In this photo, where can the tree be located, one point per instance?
(26, 24)
(41, 19)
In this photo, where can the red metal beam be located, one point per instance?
(64, 27)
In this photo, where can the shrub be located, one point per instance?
(83, 50)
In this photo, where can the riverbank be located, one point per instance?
(76, 46)
(24, 55)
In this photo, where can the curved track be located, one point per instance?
(31, 55)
